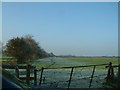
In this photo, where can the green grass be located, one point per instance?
(94, 60)
(6, 57)
(74, 61)
(7, 60)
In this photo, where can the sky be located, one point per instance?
(82, 29)
(60, 0)
(0, 29)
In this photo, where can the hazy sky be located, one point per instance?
(65, 28)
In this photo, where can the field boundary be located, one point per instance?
(29, 68)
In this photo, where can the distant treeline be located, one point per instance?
(87, 56)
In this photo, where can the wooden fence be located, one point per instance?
(17, 71)
(110, 73)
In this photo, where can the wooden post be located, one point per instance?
(43, 80)
(35, 76)
(92, 76)
(70, 78)
(17, 72)
(41, 76)
(119, 71)
(112, 72)
(28, 74)
(118, 82)
(110, 75)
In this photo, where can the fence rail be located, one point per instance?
(78, 66)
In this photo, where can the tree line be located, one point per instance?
(25, 49)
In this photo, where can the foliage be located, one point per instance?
(0, 48)
(24, 49)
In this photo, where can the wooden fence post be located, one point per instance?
(119, 71)
(17, 72)
(110, 75)
(28, 74)
(70, 78)
(35, 76)
(92, 76)
(118, 82)
(41, 76)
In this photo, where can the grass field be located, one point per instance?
(95, 60)
(73, 61)
(65, 61)
(81, 76)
